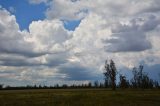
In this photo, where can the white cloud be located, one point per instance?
(125, 31)
(48, 35)
(131, 36)
(22, 48)
(66, 9)
(11, 38)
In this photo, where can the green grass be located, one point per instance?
(80, 97)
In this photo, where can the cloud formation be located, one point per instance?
(126, 31)
(12, 40)
(132, 36)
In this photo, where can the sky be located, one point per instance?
(67, 41)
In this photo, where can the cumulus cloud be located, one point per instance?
(132, 35)
(48, 35)
(12, 40)
(66, 10)
(126, 31)
(127, 42)
(75, 9)
(22, 48)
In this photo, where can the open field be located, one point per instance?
(79, 97)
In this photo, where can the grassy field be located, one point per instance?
(80, 97)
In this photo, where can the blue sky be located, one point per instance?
(69, 40)
(71, 24)
(26, 12)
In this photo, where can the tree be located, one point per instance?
(101, 85)
(123, 82)
(156, 84)
(1, 86)
(64, 86)
(137, 77)
(96, 84)
(107, 82)
(110, 73)
(89, 84)
(141, 79)
(147, 82)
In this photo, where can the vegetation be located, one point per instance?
(140, 80)
(123, 82)
(80, 97)
(139, 91)
(110, 74)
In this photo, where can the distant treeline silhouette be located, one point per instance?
(140, 80)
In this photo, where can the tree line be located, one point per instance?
(140, 80)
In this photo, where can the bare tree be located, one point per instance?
(141, 79)
(123, 82)
(110, 73)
